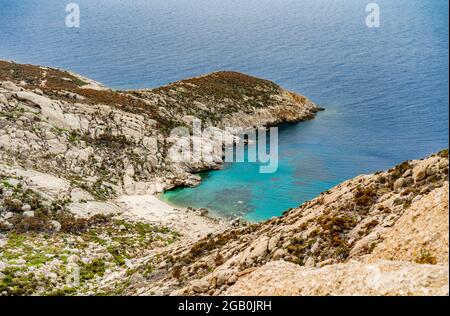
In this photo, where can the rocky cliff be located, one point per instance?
(79, 164)
(108, 142)
(382, 234)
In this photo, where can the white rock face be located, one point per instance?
(259, 248)
(151, 144)
(200, 286)
(352, 278)
(49, 109)
(28, 214)
(8, 85)
(5, 142)
(3, 99)
(49, 186)
(420, 170)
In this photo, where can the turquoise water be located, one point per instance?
(385, 89)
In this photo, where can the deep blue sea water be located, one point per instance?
(385, 89)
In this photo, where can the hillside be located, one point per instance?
(80, 164)
(57, 122)
(391, 226)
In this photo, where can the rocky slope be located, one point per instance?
(399, 215)
(410, 259)
(108, 142)
(79, 163)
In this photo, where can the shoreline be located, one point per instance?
(150, 208)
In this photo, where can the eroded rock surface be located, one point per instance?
(79, 164)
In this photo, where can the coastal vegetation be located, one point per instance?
(80, 164)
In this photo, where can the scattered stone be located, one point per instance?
(8, 85)
(8, 215)
(279, 253)
(3, 99)
(200, 286)
(203, 211)
(28, 214)
(310, 262)
(56, 225)
(233, 279)
(399, 183)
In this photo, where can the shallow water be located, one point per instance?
(385, 90)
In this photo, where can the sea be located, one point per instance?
(384, 88)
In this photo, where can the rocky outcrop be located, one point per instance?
(79, 163)
(410, 259)
(69, 145)
(363, 219)
(420, 234)
(112, 142)
(352, 278)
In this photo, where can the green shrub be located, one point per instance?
(365, 196)
(425, 257)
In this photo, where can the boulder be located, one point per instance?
(273, 241)
(279, 253)
(399, 183)
(223, 276)
(203, 211)
(16, 204)
(233, 279)
(259, 248)
(28, 214)
(310, 262)
(419, 172)
(425, 168)
(49, 110)
(443, 164)
(407, 173)
(8, 85)
(8, 215)
(315, 247)
(5, 225)
(3, 99)
(431, 170)
(137, 280)
(5, 142)
(151, 144)
(56, 226)
(200, 286)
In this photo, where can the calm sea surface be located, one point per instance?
(385, 89)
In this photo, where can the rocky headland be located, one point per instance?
(80, 165)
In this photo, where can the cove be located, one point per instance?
(312, 159)
(385, 90)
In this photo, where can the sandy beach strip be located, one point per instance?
(150, 208)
